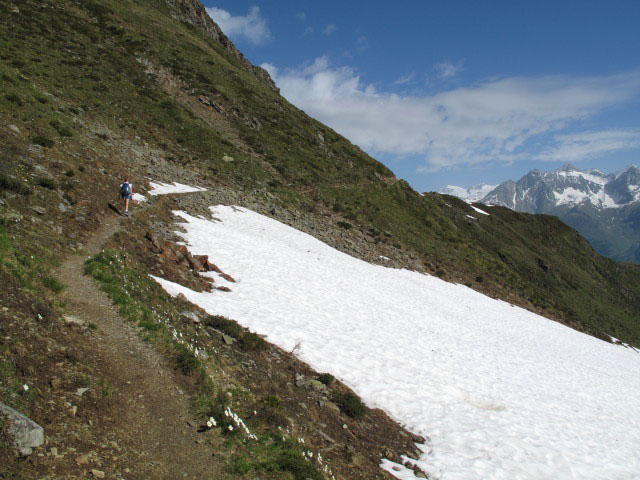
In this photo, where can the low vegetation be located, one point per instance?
(258, 446)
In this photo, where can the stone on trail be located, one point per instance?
(81, 391)
(26, 433)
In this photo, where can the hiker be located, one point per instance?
(126, 192)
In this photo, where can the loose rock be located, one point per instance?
(26, 433)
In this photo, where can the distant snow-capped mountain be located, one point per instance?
(472, 194)
(605, 208)
(568, 186)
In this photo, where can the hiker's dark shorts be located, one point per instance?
(126, 197)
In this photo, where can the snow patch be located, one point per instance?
(500, 392)
(158, 188)
(478, 210)
(138, 198)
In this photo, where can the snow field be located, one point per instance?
(158, 188)
(500, 392)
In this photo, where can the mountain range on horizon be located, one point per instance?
(605, 208)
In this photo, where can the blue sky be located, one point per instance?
(457, 92)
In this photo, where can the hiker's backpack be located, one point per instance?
(125, 189)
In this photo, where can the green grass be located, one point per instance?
(5, 243)
(52, 284)
(27, 267)
(274, 455)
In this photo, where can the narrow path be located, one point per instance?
(153, 421)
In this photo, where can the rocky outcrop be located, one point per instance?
(26, 433)
(194, 13)
(175, 261)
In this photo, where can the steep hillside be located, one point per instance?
(92, 90)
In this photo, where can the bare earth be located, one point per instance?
(150, 410)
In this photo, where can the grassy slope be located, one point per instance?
(67, 68)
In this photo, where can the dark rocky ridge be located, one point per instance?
(193, 12)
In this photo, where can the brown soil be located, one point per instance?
(139, 426)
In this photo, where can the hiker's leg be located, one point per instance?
(126, 204)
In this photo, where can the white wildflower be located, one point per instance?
(25, 387)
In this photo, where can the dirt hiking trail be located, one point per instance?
(152, 425)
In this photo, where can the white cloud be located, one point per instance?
(502, 120)
(329, 29)
(251, 27)
(406, 79)
(578, 146)
(301, 16)
(447, 69)
(308, 31)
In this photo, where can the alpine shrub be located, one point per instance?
(350, 404)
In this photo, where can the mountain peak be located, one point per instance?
(568, 167)
(629, 168)
(472, 194)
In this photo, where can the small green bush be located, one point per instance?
(14, 186)
(252, 342)
(326, 378)
(12, 97)
(273, 401)
(247, 340)
(53, 284)
(42, 141)
(350, 404)
(185, 360)
(47, 183)
(345, 225)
